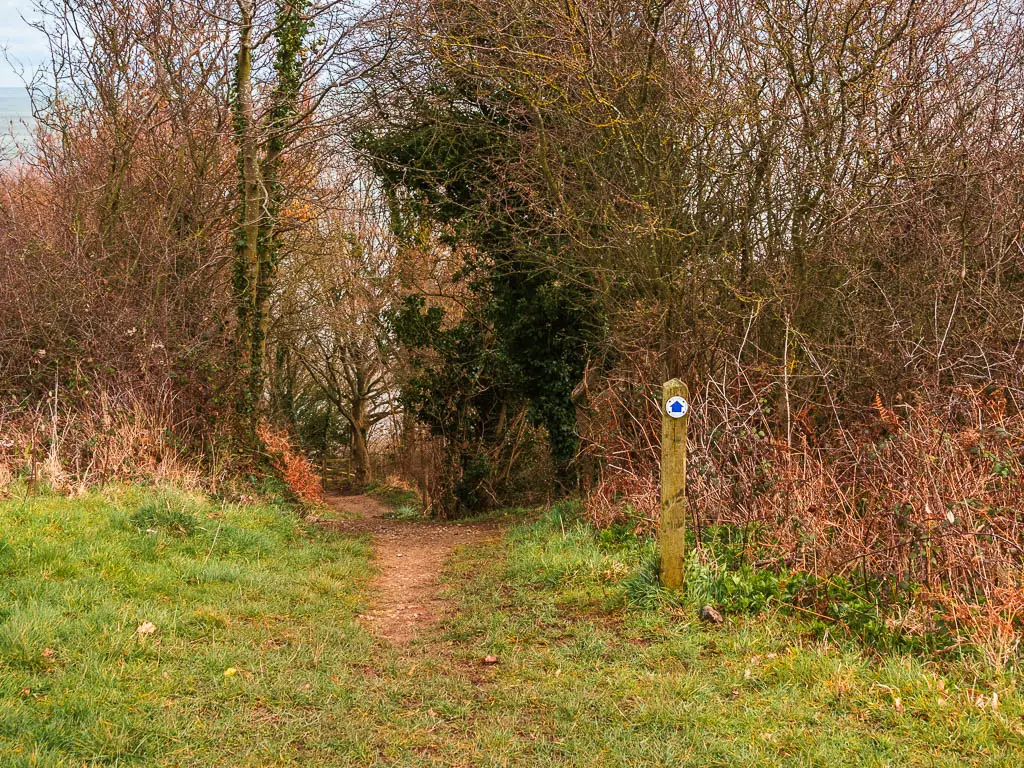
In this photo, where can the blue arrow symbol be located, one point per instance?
(676, 407)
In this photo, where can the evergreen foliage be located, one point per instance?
(523, 342)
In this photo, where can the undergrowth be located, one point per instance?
(724, 569)
(898, 525)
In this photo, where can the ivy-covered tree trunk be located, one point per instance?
(261, 191)
(291, 26)
(247, 210)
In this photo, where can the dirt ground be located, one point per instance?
(406, 596)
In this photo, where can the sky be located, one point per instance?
(18, 40)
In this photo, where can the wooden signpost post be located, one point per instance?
(675, 414)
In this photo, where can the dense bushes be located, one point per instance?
(919, 508)
(114, 350)
(125, 347)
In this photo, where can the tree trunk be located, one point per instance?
(248, 209)
(360, 450)
(290, 33)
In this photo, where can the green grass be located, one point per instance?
(607, 673)
(596, 667)
(401, 500)
(225, 586)
(405, 512)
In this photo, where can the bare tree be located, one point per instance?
(335, 292)
(290, 95)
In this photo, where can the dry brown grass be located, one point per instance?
(129, 438)
(135, 439)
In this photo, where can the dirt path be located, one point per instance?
(410, 555)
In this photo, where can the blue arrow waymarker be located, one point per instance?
(677, 407)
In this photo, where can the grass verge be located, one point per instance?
(599, 669)
(142, 628)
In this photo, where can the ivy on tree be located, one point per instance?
(523, 343)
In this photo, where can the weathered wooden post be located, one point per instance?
(675, 414)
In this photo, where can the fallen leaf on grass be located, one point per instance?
(146, 628)
(983, 702)
(230, 672)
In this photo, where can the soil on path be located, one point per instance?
(406, 597)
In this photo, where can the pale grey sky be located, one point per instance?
(19, 40)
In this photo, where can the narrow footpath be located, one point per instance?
(406, 596)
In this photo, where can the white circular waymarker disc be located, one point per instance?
(677, 407)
